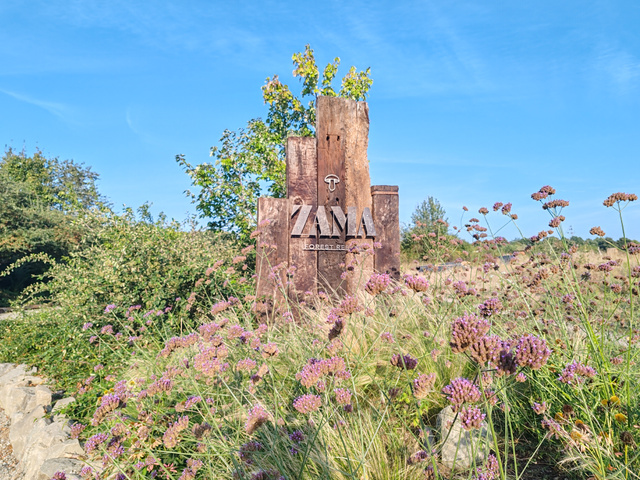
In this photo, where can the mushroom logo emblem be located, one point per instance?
(331, 180)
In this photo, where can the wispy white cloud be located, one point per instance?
(58, 109)
(618, 68)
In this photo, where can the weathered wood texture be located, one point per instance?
(386, 215)
(272, 250)
(302, 189)
(347, 121)
(331, 142)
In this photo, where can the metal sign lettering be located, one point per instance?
(351, 222)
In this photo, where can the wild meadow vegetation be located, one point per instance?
(530, 347)
(154, 329)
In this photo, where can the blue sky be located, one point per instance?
(473, 102)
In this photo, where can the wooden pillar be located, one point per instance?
(302, 189)
(386, 214)
(342, 134)
(272, 252)
(331, 140)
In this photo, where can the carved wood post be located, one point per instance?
(343, 135)
(386, 213)
(302, 190)
(272, 253)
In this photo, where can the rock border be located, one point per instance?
(41, 445)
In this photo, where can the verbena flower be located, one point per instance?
(377, 283)
(423, 385)
(246, 365)
(343, 396)
(296, 436)
(387, 337)
(576, 373)
(256, 417)
(619, 197)
(532, 351)
(486, 350)
(108, 404)
(461, 391)
(406, 362)
(471, 418)
(555, 429)
(416, 283)
(77, 429)
(170, 437)
(417, 457)
(93, 442)
(307, 403)
(491, 306)
(466, 331)
(247, 449)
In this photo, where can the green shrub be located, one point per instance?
(40, 201)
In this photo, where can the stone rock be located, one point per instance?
(66, 449)
(62, 403)
(69, 466)
(32, 381)
(24, 430)
(461, 449)
(17, 401)
(43, 395)
(13, 375)
(45, 439)
(5, 367)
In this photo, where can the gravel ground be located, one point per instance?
(9, 469)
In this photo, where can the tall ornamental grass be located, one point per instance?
(536, 358)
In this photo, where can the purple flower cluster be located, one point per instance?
(539, 408)
(486, 350)
(175, 343)
(417, 457)
(406, 362)
(343, 396)
(256, 417)
(466, 331)
(555, 429)
(471, 418)
(576, 373)
(532, 351)
(109, 308)
(315, 369)
(193, 465)
(208, 361)
(490, 470)
(423, 385)
(208, 330)
(170, 437)
(296, 436)
(461, 391)
(270, 350)
(108, 404)
(77, 429)
(219, 307)
(246, 365)
(247, 449)
(416, 283)
(378, 283)
(95, 441)
(307, 403)
(159, 386)
(490, 307)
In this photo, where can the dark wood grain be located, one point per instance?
(386, 217)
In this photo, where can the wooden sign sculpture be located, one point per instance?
(322, 236)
